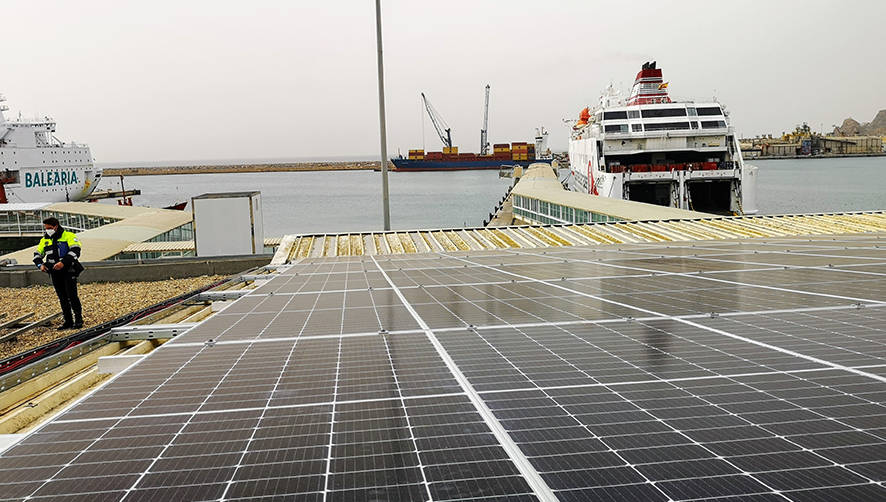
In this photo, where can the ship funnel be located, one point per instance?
(649, 86)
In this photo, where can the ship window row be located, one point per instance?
(664, 126)
(181, 233)
(547, 213)
(668, 126)
(652, 113)
(655, 113)
(709, 110)
(616, 128)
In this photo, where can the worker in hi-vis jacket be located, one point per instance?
(58, 255)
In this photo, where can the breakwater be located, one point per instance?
(241, 168)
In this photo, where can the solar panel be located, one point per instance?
(728, 370)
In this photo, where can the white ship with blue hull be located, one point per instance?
(35, 166)
(655, 150)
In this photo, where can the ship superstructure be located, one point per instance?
(35, 166)
(652, 149)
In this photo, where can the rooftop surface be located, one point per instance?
(751, 368)
(295, 247)
(137, 224)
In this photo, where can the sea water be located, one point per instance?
(338, 201)
(345, 201)
(821, 185)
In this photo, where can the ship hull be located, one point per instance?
(719, 190)
(455, 165)
(65, 183)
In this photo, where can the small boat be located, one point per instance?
(180, 206)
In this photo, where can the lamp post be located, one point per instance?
(381, 119)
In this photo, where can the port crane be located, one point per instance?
(443, 129)
(484, 142)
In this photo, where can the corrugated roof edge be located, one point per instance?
(729, 227)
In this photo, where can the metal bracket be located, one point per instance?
(148, 331)
(257, 277)
(37, 368)
(277, 267)
(231, 294)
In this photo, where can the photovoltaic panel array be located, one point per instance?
(750, 370)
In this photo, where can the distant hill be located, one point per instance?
(851, 127)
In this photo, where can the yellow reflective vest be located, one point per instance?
(66, 248)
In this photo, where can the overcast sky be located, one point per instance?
(187, 80)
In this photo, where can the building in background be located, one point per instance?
(804, 142)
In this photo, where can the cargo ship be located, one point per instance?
(652, 149)
(449, 159)
(503, 154)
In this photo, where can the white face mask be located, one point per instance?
(50, 232)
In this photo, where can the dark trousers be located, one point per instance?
(66, 288)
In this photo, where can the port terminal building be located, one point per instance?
(108, 232)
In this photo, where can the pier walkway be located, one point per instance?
(539, 198)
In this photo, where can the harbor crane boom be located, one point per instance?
(443, 129)
(484, 142)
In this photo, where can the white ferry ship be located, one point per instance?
(36, 167)
(655, 150)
